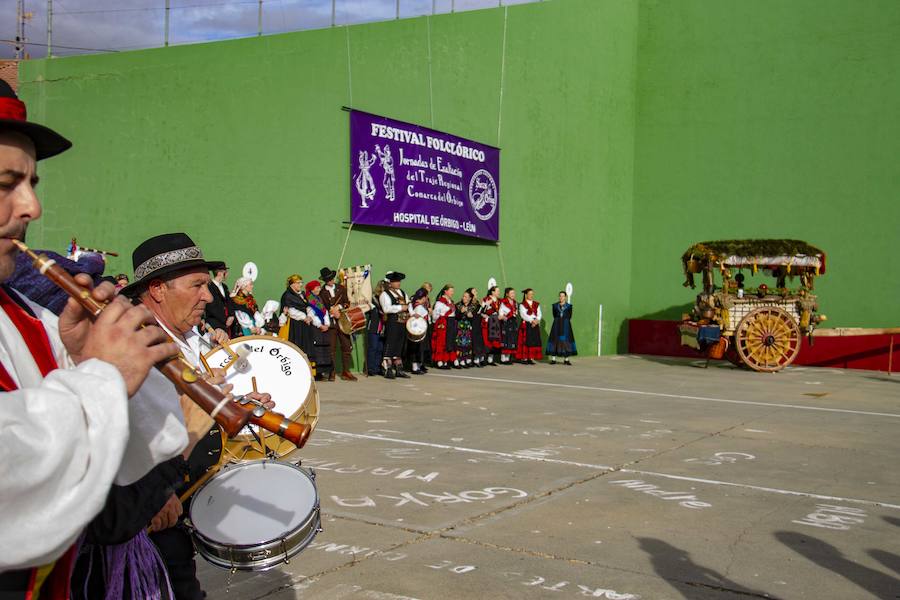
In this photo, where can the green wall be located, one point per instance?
(628, 130)
(770, 119)
(243, 144)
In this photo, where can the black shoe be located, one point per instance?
(389, 373)
(402, 374)
(529, 362)
(567, 363)
(456, 366)
(493, 363)
(424, 369)
(552, 362)
(479, 365)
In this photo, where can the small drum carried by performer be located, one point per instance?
(352, 320)
(416, 328)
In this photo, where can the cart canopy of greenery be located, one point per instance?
(751, 253)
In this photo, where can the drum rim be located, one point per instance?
(217, 553)
(302, 526)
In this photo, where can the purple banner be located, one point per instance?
(404, 175)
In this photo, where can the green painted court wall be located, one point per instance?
(243, 144)
(628, 131)
(770, 118)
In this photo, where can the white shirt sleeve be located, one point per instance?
(421, 311)
(243, 319)
(316, 321)
(63, 441)
(540, 315)
(440, 309)
(386, 305)
(155, 418)
(504, 310)
(523, 313)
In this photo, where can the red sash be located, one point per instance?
(34, 334)
(56, 585)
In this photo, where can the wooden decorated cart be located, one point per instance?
(757, 326)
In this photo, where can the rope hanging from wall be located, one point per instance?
(500, 122)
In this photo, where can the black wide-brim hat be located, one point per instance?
(395, 276)
(326, 274)
(164, 255)
(14, 117)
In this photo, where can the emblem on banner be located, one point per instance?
(483, 194)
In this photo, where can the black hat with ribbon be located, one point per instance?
(326, 274)
(161, 256)
(14, 117)
(395, 276)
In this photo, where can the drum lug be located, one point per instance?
(284, 549)
(320, 527)
(312, 473)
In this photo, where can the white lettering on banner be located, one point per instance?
(829, 516)
(405, 498)
(684, 499)
(417, 139)
(395, 133)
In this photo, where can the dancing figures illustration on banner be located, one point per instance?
(387, 163)
(365, 185)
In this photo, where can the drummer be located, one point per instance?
(395, 306)
(171, 280)
(334, 295)
(416, 350)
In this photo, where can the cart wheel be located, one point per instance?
(767, 339)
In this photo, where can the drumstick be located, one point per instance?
(262, 434)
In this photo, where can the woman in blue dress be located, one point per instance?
(561, 341)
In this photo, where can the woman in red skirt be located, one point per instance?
(443, 337)
(528, 349)
(490, 324)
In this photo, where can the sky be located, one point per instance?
(89, 26)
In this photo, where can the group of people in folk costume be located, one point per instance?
(471, 332)
(307, 316)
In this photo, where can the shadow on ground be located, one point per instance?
(676, 566)
(879, 584)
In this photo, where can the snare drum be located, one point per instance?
(416, 328)
(352, 320)
(255, 515)
(282, 370)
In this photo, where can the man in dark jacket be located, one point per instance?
(220, 310)
(335, 298)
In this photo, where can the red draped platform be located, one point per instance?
(871, 352)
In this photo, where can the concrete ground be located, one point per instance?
(620, 477)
